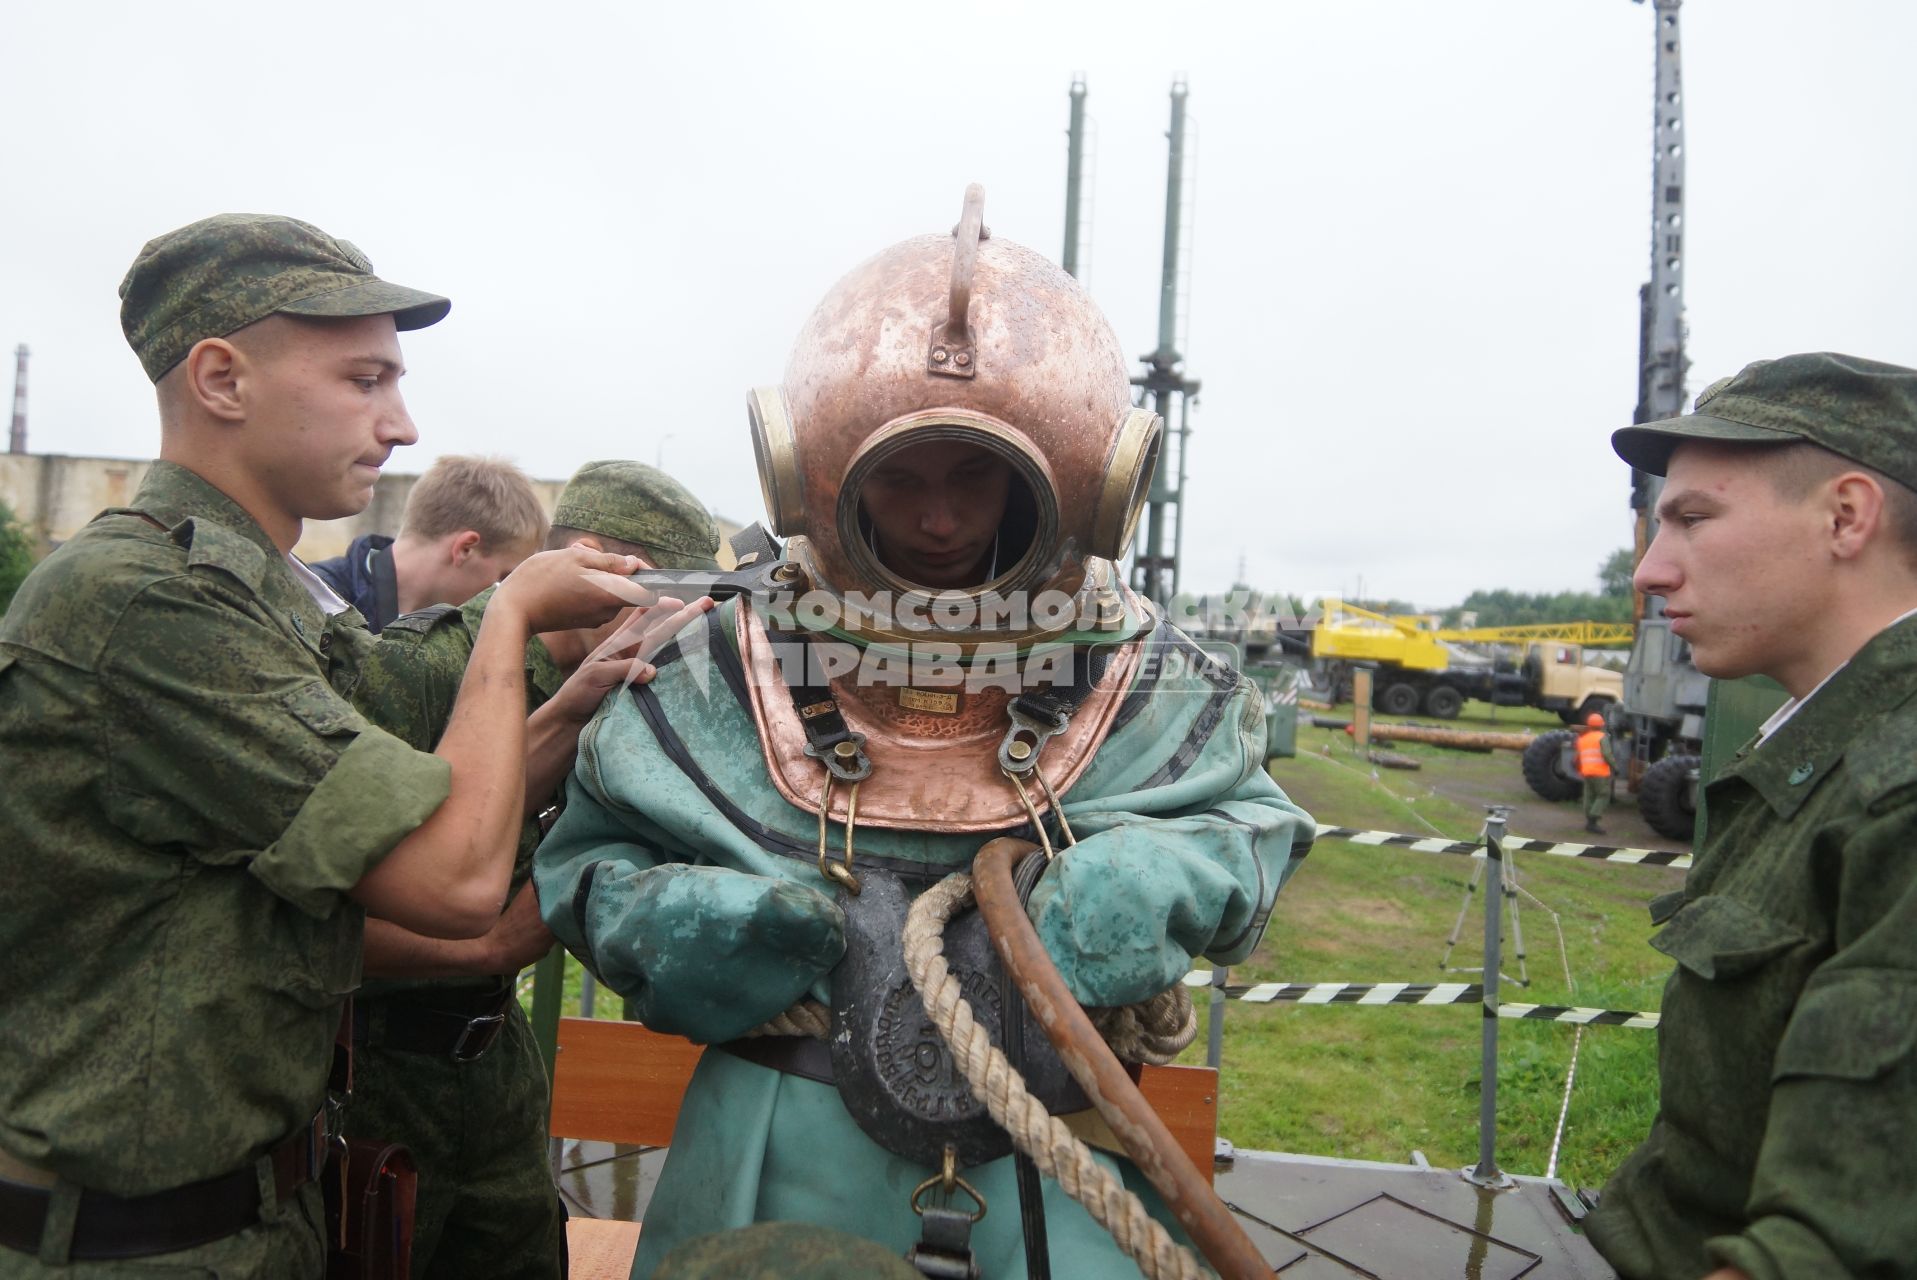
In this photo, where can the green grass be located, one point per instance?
(1377, 1082)
(606, 1004)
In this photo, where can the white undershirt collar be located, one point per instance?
(323, 595)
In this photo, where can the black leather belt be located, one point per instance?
(457, 1026)
(108, 1226)
(794, 1055)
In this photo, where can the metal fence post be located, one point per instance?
(549, 982)
(1215, 1021)
(1487, 1173)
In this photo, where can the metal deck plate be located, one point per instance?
(1404, 1222)
(1386, 1236)
(1312, 1218)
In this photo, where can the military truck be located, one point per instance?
(1661, 723)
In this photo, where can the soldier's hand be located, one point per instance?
(521, 937)
(624, 657)
(572, 587)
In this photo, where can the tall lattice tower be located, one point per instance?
(1155, 564)
(1662, 363)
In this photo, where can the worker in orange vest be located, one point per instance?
(1594, 766)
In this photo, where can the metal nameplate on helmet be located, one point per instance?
(939, 704)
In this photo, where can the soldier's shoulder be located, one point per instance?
(212, 547)
(1882, 759)
(426, 649)
(72, 601)
(441, 624)
(414, 628)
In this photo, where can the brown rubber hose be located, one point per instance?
(1098, 1071)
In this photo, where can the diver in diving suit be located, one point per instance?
(955, 462)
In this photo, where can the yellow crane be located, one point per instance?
(1591, 635)
(1420, 666)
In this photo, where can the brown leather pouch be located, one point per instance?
(371, 1188)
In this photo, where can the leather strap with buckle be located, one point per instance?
(464, 1035)
(109, 1226)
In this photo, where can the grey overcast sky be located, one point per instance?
(1420, 226)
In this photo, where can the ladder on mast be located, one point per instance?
(1661, 361)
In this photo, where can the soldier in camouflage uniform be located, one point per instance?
(444, 1059)
(195, 814)
(1785, 1146)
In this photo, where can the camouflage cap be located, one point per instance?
(1864, 410)
(220, 274)
(643, 505)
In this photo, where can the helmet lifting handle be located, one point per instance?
(953, 354)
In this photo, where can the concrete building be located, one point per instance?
(52, 495)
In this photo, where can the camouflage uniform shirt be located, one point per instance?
(188, 797)
(408, 687)
(487, 1206)
(1786, 1138)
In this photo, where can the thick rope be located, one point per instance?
(1042, 1136)
(806, 1018)
(1154, 1031)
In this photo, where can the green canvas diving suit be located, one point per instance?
(689, 885)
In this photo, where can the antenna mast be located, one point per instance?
(1155, 568)
(1661, 360)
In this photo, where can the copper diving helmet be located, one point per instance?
(960, 338)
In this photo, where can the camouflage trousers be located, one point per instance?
(288, 1246)
(487, 1203)
(1597, 798)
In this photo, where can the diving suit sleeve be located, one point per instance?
(1170, 872)
(703, 952)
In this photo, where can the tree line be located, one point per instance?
(1500, 607)
(16, 556)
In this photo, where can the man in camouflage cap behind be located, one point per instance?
(1786, 1139)
(444, 1059)
(196, 819)
(641, 508)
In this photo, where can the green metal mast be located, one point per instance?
(1155, 568)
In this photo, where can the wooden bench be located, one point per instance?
(619, 1082)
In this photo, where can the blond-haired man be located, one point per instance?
(469, 522)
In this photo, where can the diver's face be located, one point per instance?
(935, 510)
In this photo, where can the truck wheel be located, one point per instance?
(1593, 705)
(1543, 769)
(1443, 702)
(1665, 798)
(1398, 699)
